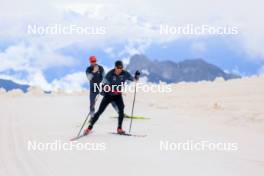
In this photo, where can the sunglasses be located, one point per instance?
(120, 68)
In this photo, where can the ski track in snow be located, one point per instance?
(16, 160)
(231, 111)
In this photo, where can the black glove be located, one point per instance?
(137, 74)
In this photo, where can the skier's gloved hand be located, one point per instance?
(95, 69)
(137, 74)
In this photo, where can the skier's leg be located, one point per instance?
(106, 100)
(116, 109)
(114, 106)
(92, 101)
(120, 104)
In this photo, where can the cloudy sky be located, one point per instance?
(119, 29)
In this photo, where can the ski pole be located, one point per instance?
(133, 105)
(86, 119)
(83, 124)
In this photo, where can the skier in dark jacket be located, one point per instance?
(115, 77)
(95, 74)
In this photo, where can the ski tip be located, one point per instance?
(76, 138)
(73, 139)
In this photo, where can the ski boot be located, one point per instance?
(87, 131)
(120, 131)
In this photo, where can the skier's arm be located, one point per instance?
(89, 74)
(91, 71)
(131, 78)
(106, 80)
(103, 72)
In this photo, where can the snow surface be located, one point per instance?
(222, 111)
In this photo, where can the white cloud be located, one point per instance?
(125, 21)
(90, 9)
(33, 78)
(71, 82)
(32, 60)
(37, 78)
(110, 52)
(22, 57)
(198, 47)
(146, 72)
(237, 71)
(16, 79)
(134, 47)
(126, 60)
(135, 23)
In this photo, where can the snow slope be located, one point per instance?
(221, 111)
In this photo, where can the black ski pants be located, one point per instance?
(118, 100)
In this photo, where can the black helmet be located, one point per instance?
(119, 63)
